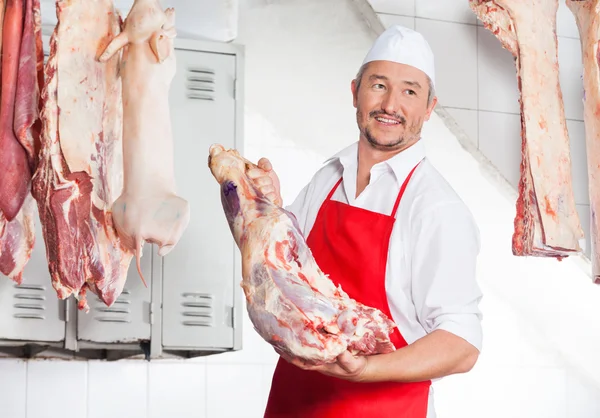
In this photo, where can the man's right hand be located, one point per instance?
(266, 180)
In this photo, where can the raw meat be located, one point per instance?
(17, 237)
(149, 208)
(293, 305)
(15, 176)
(546, 223)
(587, 16)
(27, 99)
(80, 168)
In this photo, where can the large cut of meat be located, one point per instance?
(80, 168)
(17, 236)
(293, 305)
(15, 175)
(587, 16)
(546, 223)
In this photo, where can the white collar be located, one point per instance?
(400, 164)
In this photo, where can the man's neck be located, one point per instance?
(367, 158)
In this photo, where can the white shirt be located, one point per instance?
(431, 268)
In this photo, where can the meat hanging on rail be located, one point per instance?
(547, 223)
(587, 16)
(22, 81)
(80, 170)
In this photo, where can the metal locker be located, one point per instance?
(198, 275)
(32, 311)
(128, 319)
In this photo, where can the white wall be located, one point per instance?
(301, 55)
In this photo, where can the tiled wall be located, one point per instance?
(476, 82)
(301, 56)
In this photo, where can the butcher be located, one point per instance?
(383, 223)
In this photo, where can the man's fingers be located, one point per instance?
(263, 181)
(255, 173)
(267, 189)
(265, 164)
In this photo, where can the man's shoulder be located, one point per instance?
(433, 195)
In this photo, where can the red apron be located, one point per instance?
(351, 245)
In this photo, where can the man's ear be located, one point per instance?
(353, 87)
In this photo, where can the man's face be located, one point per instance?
(391, 105)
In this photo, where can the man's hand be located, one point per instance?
(266, 180)
(347, 366)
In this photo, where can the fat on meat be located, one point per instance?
(80, 169)
(149, 208)
(587, 16)
(292, 304)
(546, 223)
(17, 236)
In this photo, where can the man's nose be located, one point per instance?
(390, 104)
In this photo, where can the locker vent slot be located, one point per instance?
(119, 312)
(201, 84)
(29, 302)
(198, 309)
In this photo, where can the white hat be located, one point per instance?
(404, 46)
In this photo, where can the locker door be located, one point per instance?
(198, 275)
(32, 311)
(128, 319)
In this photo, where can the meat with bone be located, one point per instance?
(546, 223)
(587, 16)
(17, 237)
(293, 305)
(149, 208)
(80, 168)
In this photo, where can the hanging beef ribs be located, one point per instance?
(80, 169)
(587, 16)
(22, 44)
(149, 208)
(546, 223)
(293, 305)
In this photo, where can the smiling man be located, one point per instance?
(383, 223)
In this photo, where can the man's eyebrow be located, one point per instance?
(413, 83)
(384, 78)
(377, 77)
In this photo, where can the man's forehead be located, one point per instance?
(395, 72)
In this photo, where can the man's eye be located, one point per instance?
(379, 86)
(411, 92)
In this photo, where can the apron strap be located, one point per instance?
(402, 189)
(333, 189)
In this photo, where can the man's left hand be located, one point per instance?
(347, 366)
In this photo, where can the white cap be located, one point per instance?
(404, 46)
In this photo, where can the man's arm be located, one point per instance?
(445, 246)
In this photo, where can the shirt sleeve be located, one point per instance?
(299, 207)
(446, 243)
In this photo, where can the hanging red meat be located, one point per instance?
(587, 16)
(546, 223)
(15, 176)
(80, 170)
(149, 208)
(293, 305)
(17, 236)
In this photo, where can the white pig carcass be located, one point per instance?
(546, 223)
(587, 16)
(293, 305)
(148, 208)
